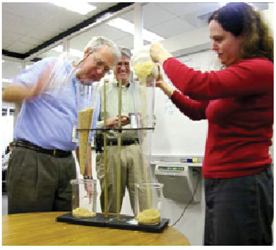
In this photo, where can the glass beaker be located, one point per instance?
(148, 202)
(84, 198)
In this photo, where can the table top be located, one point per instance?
(34, 229)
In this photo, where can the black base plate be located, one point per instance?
(126, 222)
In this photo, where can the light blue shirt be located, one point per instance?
(47, 120)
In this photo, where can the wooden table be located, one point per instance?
(33, 229)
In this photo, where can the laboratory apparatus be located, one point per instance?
(148, 194)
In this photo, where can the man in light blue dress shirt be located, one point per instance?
(41, 165)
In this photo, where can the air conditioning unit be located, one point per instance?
(181, 182)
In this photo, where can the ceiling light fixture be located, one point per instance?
(128, 27)
(6, 80)
(222, 3)
(79, 7)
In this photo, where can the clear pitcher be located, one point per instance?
(61, 72)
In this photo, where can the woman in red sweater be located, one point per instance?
(238, 104)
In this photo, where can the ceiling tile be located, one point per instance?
(102, 5)
(195, 20)
(9, 38)
(180, 9)
(127, 41)
(153, 14)
(38, 11)
(105, 30)
(31, 40)
(20, 47)
(65, 19)
(202, 10)
(44, 32)
(17, 24)
(28, 24)
(172, 28)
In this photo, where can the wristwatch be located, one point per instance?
(86, 177)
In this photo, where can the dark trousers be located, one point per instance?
(239, 211)
(39, 182)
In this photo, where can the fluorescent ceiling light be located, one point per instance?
(222, 3)
(128, 27)
(6, 80)
(73, 52)
(76, 6)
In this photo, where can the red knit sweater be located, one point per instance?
(238, 103)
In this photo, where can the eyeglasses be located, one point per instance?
(120, 64)
(101, 65)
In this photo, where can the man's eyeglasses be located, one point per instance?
(120, 64)
(100, 65)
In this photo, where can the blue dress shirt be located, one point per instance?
(47, 120)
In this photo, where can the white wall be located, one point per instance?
(192, 222)
(175, 134)
(268, 16)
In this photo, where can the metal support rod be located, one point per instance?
(65, 45)
(105, 159)
(119, 149)
(138, 27)
(144, 137)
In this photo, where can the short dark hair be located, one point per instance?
(242, 20)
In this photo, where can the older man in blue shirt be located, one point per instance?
(41, 165)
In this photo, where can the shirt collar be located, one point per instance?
(116, 83)
(126, 86)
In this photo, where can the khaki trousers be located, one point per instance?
(131, 172)
(39, 182)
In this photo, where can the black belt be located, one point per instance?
(123, 143)
(56, 152)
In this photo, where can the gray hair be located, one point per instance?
(125, 52)
(99, 41)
